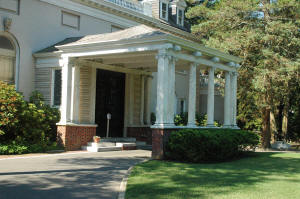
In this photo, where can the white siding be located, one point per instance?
(85, 94)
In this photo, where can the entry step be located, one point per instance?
(102, 149)
(109, 146)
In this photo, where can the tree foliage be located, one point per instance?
(267, 36)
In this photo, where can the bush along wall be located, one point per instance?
(25, 126)
(209, 145)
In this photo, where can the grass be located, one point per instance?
(259, 176)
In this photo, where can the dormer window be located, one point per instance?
(180, 17)
(164, 10)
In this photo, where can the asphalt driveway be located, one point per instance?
(64, 176)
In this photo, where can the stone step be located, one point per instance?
(102, 149)
(109, 146)
(145, 147)
(140, 143)
(101, 144)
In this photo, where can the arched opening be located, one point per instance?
(7, 60)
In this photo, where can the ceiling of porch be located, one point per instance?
(145, 61)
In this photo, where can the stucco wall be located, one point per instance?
(39, 25)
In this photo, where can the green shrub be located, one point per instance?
(182, 120)
(28, 123)
(17, 148)
(13, 148)
(209, 145)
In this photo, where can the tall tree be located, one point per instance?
(267, 36)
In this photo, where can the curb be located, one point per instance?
(123, 185)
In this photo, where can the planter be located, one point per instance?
(96, 139)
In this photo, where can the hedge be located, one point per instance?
(209, 145)
(24, 124)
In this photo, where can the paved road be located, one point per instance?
(65, 176)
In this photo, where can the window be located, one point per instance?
(57, 87)
(164, 10)
(7, 60)
(70, 20)
(12, 6)
(180, 17)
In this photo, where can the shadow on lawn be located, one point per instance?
(80, 177)
(197, 180)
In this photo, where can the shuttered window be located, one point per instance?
(57, 88)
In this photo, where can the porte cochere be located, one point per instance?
(113, 73)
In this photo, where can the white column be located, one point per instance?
(192, 95)
(148, 100)
(171, 90)
(142, 99)
(211, 98)
(93, 94)
(162, 89)
(227, 101)
(75, 99)
(66, 90)
(233, 97)
(131, 98)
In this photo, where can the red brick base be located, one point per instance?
(160, 139)
(72, 137)
(143, 134)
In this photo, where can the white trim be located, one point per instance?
(77, 7)
(202, 61)
(154, 43)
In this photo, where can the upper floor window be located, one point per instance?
(12, 6)
(180, 16)
(7, 60)
(164, 10)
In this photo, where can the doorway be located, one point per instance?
(110, 96)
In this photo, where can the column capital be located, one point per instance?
(212, 68)
(194, 64)
(163, 54)
(235, 73)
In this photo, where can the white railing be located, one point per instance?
(143, 8)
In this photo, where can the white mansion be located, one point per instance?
(126, 58)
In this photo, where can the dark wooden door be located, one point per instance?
(110, 92)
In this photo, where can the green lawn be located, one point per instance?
(260, 176)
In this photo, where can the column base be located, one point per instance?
(227, 126)
(74, 136)
(235, 127)
(160, 138)
(191, 125)
(163, 125)
(210, 126)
